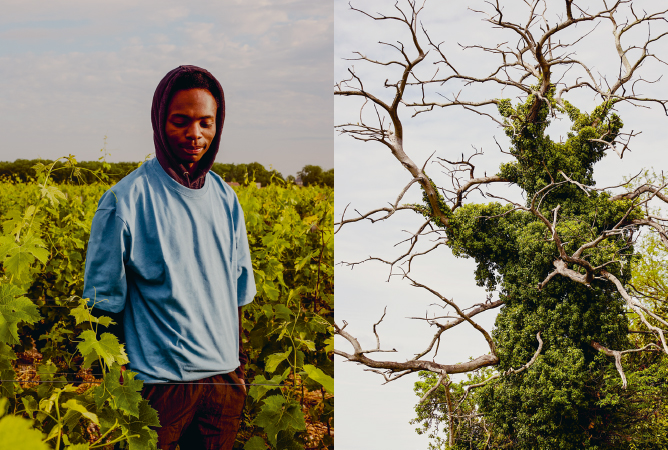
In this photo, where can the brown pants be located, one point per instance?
(204, 414)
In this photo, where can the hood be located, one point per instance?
(163, 153)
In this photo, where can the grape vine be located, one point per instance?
(62, 386)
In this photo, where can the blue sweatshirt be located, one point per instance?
(177, 261)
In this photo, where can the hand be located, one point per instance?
(243, 385)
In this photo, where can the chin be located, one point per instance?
(186, 157)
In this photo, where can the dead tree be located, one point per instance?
(537, 71)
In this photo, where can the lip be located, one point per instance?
(192, 150)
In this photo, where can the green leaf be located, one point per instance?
(308, 344)
(300, 263)
(321, 377)
(108, 348)
(78, 407)
(274, 360)
(282, 312)
(126, 396)
(47, 370)
(260, 388)
(18, 258)
(16, 433)
(39, 168)
(84, 446)
(82, 315)
(14, 309)
(255, 443)
(329, 344)
(12, 225)
(268, 310)
(52, 193)
(30, 405)
(272, 268)
(7, 355)
(7, 386)
(276, 416)
(142, 437)
(271, 291)
(286, 441)
(147, 415)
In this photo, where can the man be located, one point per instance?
(168, 251)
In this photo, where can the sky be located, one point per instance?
(369, 413)
(76, 71)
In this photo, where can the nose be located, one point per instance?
(194, 131)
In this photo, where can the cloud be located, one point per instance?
(77, 72)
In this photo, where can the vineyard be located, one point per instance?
(60, 370)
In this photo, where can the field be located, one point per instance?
(61, 386)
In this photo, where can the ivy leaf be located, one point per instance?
(126, 395)
(321, 377)
(108, 348)
(14, 309)
(16, 433)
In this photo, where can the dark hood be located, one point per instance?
(163, 153)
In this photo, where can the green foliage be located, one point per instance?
(315, 176)
(87, 172)
(650, 275)
(17, 432)
(289, 325)
(245, 173)
(48, 225)
(14, 308)
(471, 430)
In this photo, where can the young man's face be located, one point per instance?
(191, 124)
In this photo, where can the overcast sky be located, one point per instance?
(75, 71)
(368, 413)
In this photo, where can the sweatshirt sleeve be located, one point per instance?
(105, 283)
(245, 277)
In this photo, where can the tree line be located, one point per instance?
(21, 170)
